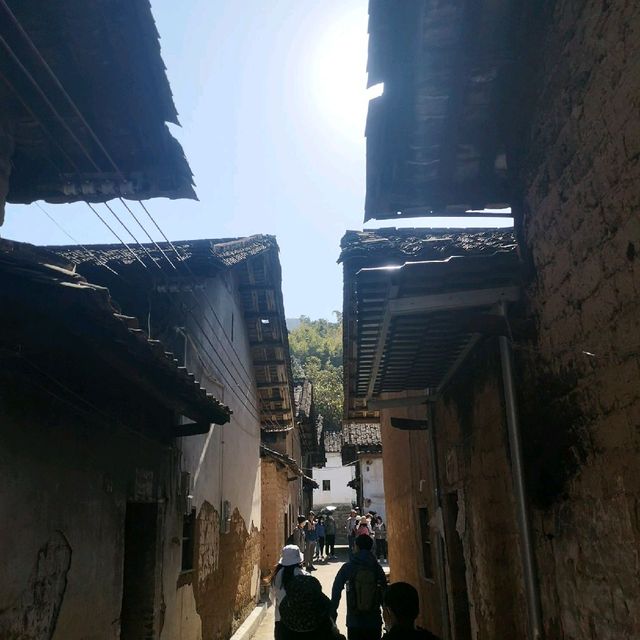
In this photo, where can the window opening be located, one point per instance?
(326, 485)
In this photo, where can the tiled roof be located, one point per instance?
(425, 262)
(288, 462)
(256, 265)
(437, 137)
(397, 246)
(365, 437)
(41, 282)
(107, 57)
(332, 441)
(196, 254)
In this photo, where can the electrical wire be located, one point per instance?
(101, 262)
(45, 98)
(90, 410)
(97, 167)
(47, 132)
(157, 246)
(180, 258)
(124, 226)
(57, 82)
(61, 119)
(106, 224)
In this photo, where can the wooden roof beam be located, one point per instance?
(452, 301)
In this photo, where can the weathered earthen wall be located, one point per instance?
(66, 480)
(225, 591)
(275, 504)
(407, 487)
(223, 466)
(474, 464)
(581, 228)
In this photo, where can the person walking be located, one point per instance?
(311, 540)
(351, 525)
(298, 537)
(380, 532)
(306, 613)
(289, 566)
(320, 530)
(330, 536)
(365, 582)
(400, 609)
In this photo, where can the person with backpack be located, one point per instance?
(289, 566)
(306, 613)
(365, 583)
(400, 610)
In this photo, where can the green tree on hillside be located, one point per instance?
(316, 351)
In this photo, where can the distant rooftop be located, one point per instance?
(332, 441)
(365, 437)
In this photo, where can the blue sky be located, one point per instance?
(272, 101)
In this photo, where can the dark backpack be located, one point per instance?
(364, 591)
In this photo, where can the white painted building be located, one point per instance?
(362, 444)
(372, 483)
(333, 478)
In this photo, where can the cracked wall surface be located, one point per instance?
(225, 591)
(34, 614)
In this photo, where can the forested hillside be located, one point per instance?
(316, 351)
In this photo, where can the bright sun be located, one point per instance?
(338, 72)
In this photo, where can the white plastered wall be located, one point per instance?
(338, 477)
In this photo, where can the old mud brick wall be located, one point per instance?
(406, 489)
(275, 503)
(580, 223)
(226, 581)
(473, 461)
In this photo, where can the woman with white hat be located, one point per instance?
(289, 565)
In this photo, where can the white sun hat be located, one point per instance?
(291, 555)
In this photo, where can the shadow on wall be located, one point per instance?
(226, 578)
(35, 613)
(555, 434)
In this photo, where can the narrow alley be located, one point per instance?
(297, 274)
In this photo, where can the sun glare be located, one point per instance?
(338, 72)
